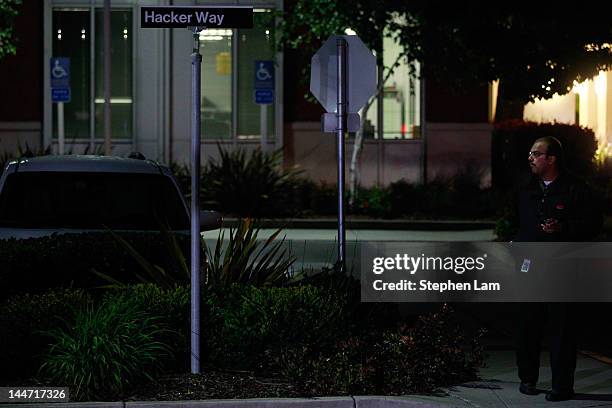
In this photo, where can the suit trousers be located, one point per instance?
(561, 321)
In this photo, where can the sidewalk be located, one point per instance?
(498, 388)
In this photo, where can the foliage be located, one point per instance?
(458, 196)
(248, 326)
(247, 184)
(318, 334)
(36, 264)
(537, 52)
(8, 13)
(534, 52)
(153, 273)
(374, 202)
(512, 141)
(401, 360)
(172, 307)
(23, 317)
(110, 347)
(247, 260)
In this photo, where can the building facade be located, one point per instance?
(420, 130)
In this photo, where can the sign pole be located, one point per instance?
(60, 127)
(196, 63)
(263, 117)
(196, 19)
(340, 129)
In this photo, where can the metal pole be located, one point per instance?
(196, 63)
(341, 117)
(107, 78)
(60, 127)
(380, 101)
(263, 118)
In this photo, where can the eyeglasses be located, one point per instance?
(535, 154)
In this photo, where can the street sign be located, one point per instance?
(264, 96)
(60, 72)
(198, 16)
(60, 94)
(264, 82)
(360, 71)
(264, 75)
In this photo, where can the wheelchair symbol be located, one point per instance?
(58, 71)
(262, 73)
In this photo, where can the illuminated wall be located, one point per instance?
(589, 105)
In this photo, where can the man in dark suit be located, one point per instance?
(553, 207)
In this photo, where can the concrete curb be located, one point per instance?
(327, 402)
(372, 224)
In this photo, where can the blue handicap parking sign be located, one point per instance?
(264, 75)
(60, 72)
(60, 79)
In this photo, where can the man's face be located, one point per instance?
(539, 161)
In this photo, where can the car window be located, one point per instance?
(91, 201)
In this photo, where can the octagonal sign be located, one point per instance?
(360, 71)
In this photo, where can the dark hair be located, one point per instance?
(554, 148)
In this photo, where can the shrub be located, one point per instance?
(172, 307)
(109, 348)
(247, 260)
(397, 361)
(23, 318)
(512, 140)
(247, 326)
(37, 264)
(248, 185)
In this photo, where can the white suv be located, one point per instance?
(58, 194)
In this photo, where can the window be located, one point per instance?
(401, 100)
(121, 74)
(72, 38)
(253, 45)
(91, 201)
(71, 31)
(216, 86)
(220, 81)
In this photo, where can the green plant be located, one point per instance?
(248, 326)
(166, 278)
(172, 306)
(406, 359)
(246, 259)
(248, 184)
(374, 202)
(22, 319)
(9, 9)
(36, 264)
(109, 348)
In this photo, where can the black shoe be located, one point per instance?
(555, 396)
(528, 389)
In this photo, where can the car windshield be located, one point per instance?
(91, 201)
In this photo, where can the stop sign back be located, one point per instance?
(361, 74)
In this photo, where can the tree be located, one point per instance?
(308, 23)
(533, 52)
(8, 12)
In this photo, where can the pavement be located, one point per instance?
(316, 247)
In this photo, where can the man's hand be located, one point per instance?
(551, 225)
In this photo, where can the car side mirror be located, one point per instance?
(210, 220)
